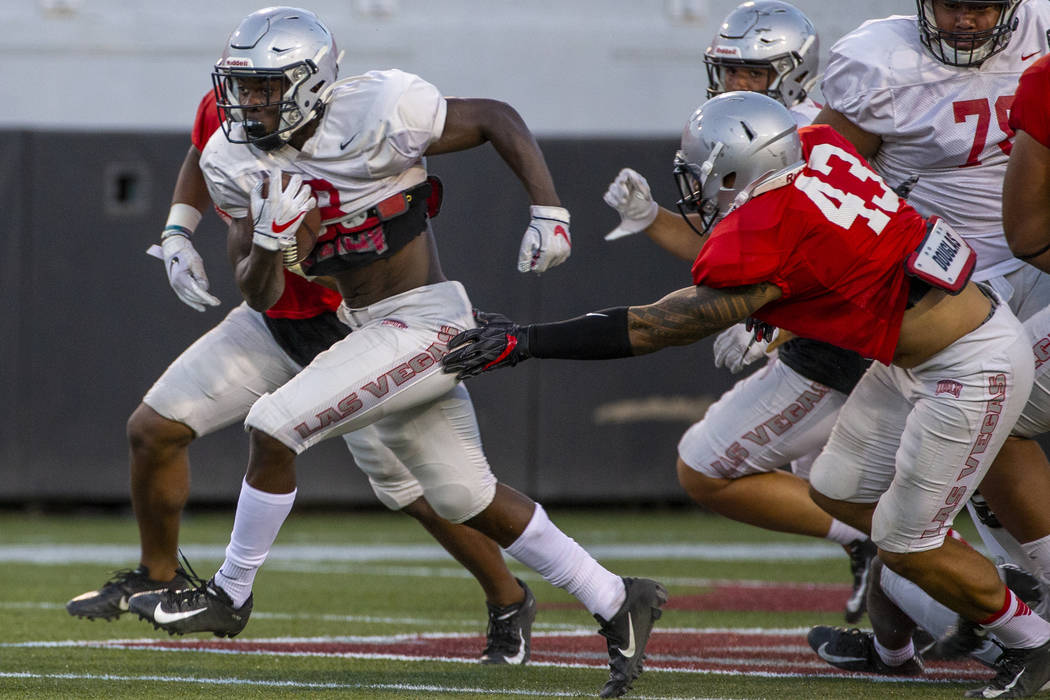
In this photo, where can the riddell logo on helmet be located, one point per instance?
(238, 62)
(733, 51)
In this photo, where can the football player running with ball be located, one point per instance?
(360, 145)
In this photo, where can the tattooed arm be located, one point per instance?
(686, 316)
(680, 318)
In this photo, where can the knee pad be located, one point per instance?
(456, 500)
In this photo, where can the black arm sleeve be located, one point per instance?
(600, 335)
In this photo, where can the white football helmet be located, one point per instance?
(766, 34)
(944, 46)
(287, 43)
(731, 143)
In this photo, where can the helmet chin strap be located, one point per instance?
(259, 137)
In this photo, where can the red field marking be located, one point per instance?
(756, 652)
(748, 596)
(800, 597)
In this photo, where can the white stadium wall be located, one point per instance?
(572, 67)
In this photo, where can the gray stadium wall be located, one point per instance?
(90, 322)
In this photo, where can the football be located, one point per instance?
(307, 233)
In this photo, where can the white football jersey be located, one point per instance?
(369, 145)
(946, 124)
(805, 111)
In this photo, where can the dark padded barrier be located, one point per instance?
(90, 322)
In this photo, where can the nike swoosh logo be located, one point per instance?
(560, 231)
(163, 618)
(512, 342)
(279, 228)
(346, 143)
(629, 650)
(823, 653)
(520, 656)
(1025, 58)
(995, 692)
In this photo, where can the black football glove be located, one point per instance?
(761, 329)
(496, 342)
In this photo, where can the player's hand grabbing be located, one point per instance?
(278, 215)
(629, 195)
(186, 271)
(496, 342)
(736, 348)
(546, 242)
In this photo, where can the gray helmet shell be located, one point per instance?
(767, 34)
(728, 145)
(284, 42)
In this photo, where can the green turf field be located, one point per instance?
(364, 605)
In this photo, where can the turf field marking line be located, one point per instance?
(323, 686)
(71, 553)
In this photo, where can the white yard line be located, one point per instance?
(494, 692)
(115, 555)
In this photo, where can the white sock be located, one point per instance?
(1038, 552)
(1016, 625)
(563, 563)
(843, 534)
(895, 657)
(255, 527)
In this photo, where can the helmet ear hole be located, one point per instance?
(728, 180)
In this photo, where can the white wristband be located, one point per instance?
(183, 217)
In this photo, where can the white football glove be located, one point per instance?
(629, 195)
(546, 242)
(279, 215)
(185, 270)
(736, 348)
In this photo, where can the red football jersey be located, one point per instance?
(1030, 111)
(302, 298)
(833, 238)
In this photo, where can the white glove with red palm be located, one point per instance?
(546, 242)
(278, 215)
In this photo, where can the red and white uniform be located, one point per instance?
(783, 413)
(946, 124)
(787, 241)
(369, 145)
(215, 381)
(833, 237)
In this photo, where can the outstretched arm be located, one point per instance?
(687, 315)
(680, 318)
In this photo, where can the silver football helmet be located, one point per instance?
(289, 52)
(766, 34)
(731, 143)
(967, 48)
